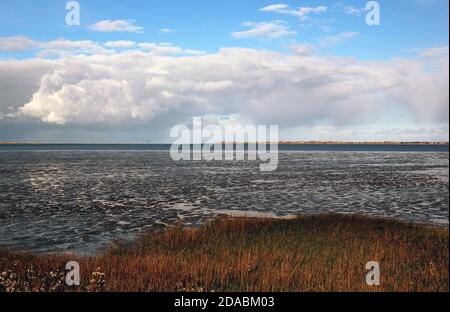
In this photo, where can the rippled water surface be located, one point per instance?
(80, 200)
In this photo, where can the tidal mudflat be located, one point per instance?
(80, 200)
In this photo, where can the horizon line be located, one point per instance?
(287, 142)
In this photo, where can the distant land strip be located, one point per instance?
(279, 142)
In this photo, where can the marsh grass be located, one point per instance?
(312, 253)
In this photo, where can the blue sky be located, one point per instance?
(207, 25)
(401, 66)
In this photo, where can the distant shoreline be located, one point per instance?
(280, 142)
(364, 143)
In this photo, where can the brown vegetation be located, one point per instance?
(316, 253)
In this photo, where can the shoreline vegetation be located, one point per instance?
(280, 142)
(308, 253)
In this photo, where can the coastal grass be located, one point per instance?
(310, 253)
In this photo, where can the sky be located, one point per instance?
(131, 70)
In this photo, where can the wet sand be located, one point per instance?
(81, 200)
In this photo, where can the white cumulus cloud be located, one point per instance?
(116, 26)
(122, 44)
(16, 43)
(301, 12)
(116, 90)
(268, 30)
